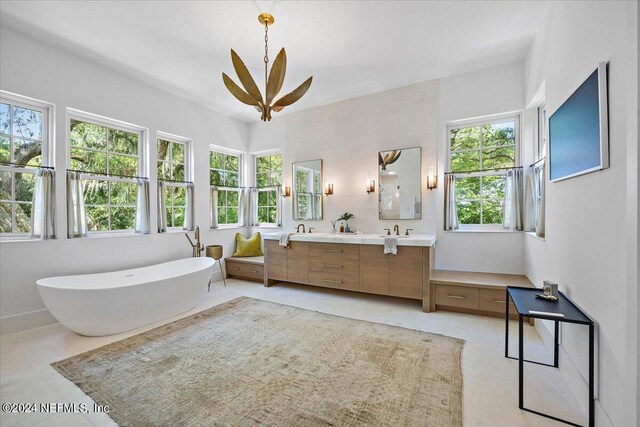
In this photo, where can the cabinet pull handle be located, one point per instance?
(334, 266)
(253, 271)
(333, 281)
(497, 301)
(234, 268)
(457, 296)
(333, 250)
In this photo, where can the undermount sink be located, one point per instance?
(399, 237)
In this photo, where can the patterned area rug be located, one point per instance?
(250, 362)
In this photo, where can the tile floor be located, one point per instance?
(490, 380)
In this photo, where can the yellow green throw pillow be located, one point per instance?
(248, 247)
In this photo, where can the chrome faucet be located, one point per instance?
(197, 247)
(396, 229)
(298, 228)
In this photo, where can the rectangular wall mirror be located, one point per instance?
(307, 190)
(400, 184)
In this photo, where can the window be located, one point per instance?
(109, 156)
(24, 138)
(225, 174)
(308, 193)
(541, 146)
(539, 173)
(480, 153)
(268, 176)
(173, 168)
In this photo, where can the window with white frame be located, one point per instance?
(268, 170)
(24, 146)
(541, 145)
(109, 156)
(539, 169)
(173, 169)
(225, 173)
(480, 153)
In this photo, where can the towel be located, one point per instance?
(391, 245)
(284, 240)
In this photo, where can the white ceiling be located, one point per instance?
(352, 48)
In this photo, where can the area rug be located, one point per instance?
(250, 362)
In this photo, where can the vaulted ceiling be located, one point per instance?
(352, 48)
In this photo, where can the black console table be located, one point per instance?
(563, 310)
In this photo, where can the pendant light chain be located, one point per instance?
(266, 53)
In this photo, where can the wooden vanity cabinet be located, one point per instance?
(353, 267)
(374, 270)
(289, 264)
(405, 273)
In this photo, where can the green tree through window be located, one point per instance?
(224, 173)
(268, 177)
(475, 154)
(172, 157)
(23, 136)
(109, 160)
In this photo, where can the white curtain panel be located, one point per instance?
(512, 211)
(243, 208)
(253, 207)
(43, 224)
(213, 208)
(76, 212)
(540, 226)
(279, 206)
(450, 209)
(162, 207)
(143, 207)
(189, 218)
(530, 199)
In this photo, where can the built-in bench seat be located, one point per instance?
(248, 268)
(471, 292)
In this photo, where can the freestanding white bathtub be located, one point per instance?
(110, 303)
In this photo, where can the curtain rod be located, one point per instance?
(173, 180)
(26, 166)
(537, 161)
(266, 187)
(484, 170)
(107, 174)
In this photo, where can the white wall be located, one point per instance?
(347, 136)
(34, 69)
(592, 220)
(486, 92)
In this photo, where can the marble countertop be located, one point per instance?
(358, 239)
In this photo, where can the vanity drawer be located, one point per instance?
(245, 270)
(333, 280)
(333, 251)
(493, 300)
(334, 265)
(253, 271)
(457, 296)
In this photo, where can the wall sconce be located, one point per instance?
(287, 192)
(371, 186)
(329, 190)
(432, 178)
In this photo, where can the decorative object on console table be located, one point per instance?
(215, 252)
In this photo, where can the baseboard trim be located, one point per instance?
(24, 321)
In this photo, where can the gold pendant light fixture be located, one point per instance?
(273, 80)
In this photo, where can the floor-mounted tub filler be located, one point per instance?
(110, 303)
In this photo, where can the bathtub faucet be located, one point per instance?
(197, 247)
